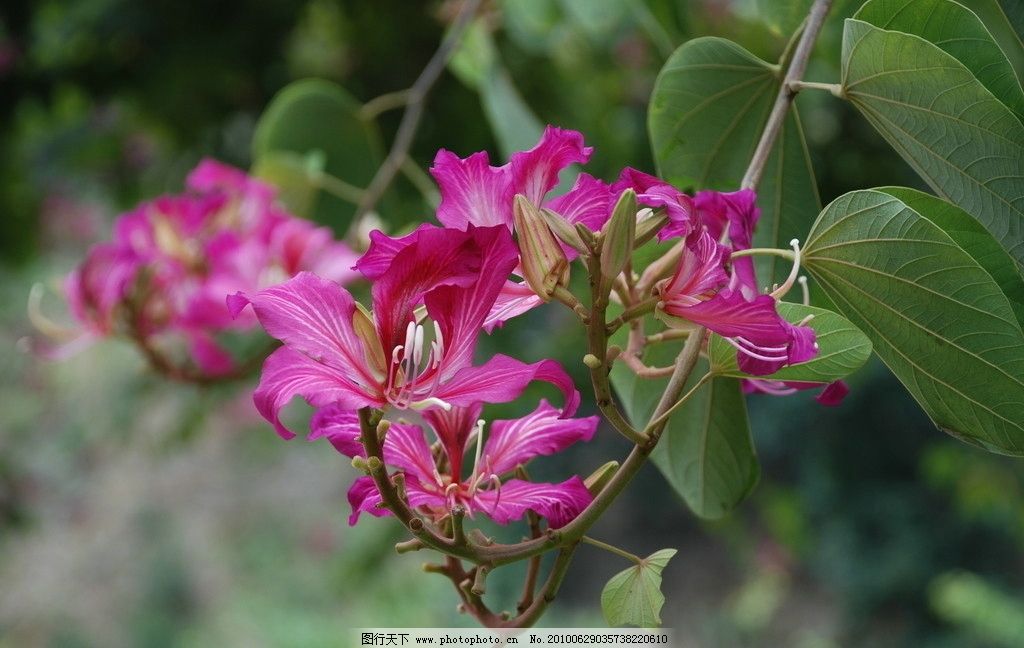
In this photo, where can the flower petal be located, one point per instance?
(503, 379)
(542, 432)
(288, 373)
(833, 394)
(209, 356)
(406, 447)
(383, 248)
(535, 172)
(513, 299)
(472, 191)
(655, 192)
(340, 426)
(365, 498)
(453, 428)
(558, 503)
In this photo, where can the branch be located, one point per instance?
(415, 100)
(815, 20)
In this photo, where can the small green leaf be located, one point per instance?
(972, 237)
(955, 30)
(633, 596)
(292, 174)
(935, 316)
(966, 144)
(708, 109)
(316, 116)
(842, 348)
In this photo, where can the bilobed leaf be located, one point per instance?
(957, 31)
(963, 141)
(317, 116)
(935, 316)
(972, 237)
(708, 109)
(842, 348)
(706, 452)
(633, 596)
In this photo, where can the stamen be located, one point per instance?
(755, 354)
(803, 288)
(781, 291)
(430, 401)
(417, 348)
(804, 321)
(479, 446)
(772, 387)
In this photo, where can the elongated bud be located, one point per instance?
(544, 262)
(588, 237)
(564, 230)
(600, 477)
(408, 546)
(647, 227)
(619, 234)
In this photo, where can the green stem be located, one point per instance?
(835, 88)
(612, 549)
(631, 313)
(693, 390)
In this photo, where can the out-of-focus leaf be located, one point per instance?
(842, 348)
(963, 141)
(706, 115)
(311, 116)
(957, 31)
(633, 596)
(935, 316)
(783, 16)
(293, 176)
(972, 237)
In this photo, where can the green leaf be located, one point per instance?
(933, 313)
(708, 109)
(957, 31)
(783, 16)
(477, 63)
(1005, 19)
(706, 452)
(318, 117)
(963, 141)
(842, 348)
(292, 174)
(633, 596)
(972, 237)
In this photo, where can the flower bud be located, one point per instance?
(619, 234)
(543, 260)
(600, 477)
(564, 230)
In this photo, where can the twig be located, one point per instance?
(612, 549)
(415, 100)
(815, 20)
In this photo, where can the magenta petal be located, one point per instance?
(541, 432)
(453, 428)
(655, 192)
(730, 315)
(288, 373)
(313, 316)
(559, 504)
(472, 191)
(460, 311)
(701, 271)
(406, 447)
(513, 299)
(799, 347)
(340, 425)
(365, 498)
(383, 248)
(535, 172)
(833, 394)
(503, 379)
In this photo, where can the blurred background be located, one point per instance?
(136, 512)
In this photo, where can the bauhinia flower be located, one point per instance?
(655, 192)
(173, 260)
(475, 193)
(702, 292)
(434, 482)
(431, 292)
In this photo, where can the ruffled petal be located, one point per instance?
(313, 317)
(288, 373)
(340, 426)
(542, 432)
(364, 497)
(535, 172)
(559, 504)
(503, 379)
(472, 191)
(383, 248)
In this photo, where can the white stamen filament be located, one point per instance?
(738, 343)
(479, 431)
(410, 358)
(803, 288)
(781, 291)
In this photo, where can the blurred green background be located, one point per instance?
(134, 512)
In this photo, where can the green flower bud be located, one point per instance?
(544, 263)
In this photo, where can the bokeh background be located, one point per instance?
(135, 512)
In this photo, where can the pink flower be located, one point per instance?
(475, 193)
(655, 192)
(435, 487)
(702, 292)
(173, 260)
(432, 291)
